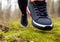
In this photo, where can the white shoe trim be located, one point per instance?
(22, 26)
(41, 24)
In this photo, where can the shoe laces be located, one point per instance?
(40, 9)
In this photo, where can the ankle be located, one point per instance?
(36, 0)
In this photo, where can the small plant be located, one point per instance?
(5, 29)
(1, 37)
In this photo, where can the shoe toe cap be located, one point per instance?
(44, 21)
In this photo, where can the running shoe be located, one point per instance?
(40, 18)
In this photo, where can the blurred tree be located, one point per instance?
(8, 9)
(1, 13)
(59, 7)
(53, 7)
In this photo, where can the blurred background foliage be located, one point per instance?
(9, 9)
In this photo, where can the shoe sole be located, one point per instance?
(22, 26)
(42, 27)
(39, 26)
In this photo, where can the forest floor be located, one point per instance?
(15, 33)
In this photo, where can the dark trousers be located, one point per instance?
(22, 5)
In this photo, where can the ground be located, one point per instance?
(16, 33)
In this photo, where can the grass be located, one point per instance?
(30, 33)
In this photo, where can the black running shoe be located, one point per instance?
(40, 18)
(24, 21)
